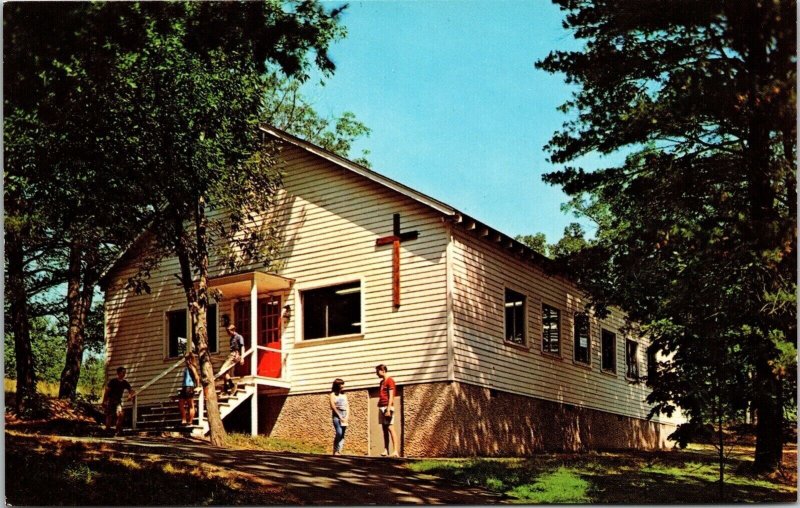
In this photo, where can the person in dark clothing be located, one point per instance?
(112, 400)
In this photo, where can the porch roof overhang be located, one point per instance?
(238, 285)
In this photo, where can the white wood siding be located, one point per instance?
(481, 274)
(335, 218)
(332, 218)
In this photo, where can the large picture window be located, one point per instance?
(582, 338)
(609, 351)
(176, 333)
(332, 311)
(632, 359)
(515, 317)
(551, 329)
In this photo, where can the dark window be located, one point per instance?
(241, 319)
(331, 311)
(176, 332)
(652, 363)
(632, 359)
(515, 317)
(609, 351)
(551, 329)
(582, 338)
(212, 327)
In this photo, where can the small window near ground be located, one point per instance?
(582, 338)
(515, 317)
(551, 329)
(332, 311)
(609, 351)
(176, 333)
(632, 359)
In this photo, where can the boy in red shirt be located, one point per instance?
(386, 409)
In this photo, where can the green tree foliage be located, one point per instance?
(285, 108)
(198, 80)
(537, 242)
(573, 241)
(58, 92)
(86, 105)
(697, 229)
(47, 348)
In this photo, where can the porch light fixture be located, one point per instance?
(287, 312)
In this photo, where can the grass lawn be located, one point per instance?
(617, 478)
(271, 444)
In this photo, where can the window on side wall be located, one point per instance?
(609, 351)
(331, 311)
(515, 317)
(551, 329)
(631, 359)
(176, 333)
(652, 364)
(212, 326)
(582, 338)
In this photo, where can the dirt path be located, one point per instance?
(314, 479)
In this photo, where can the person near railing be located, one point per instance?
(234, 358)
(191, 380)
(112, 400)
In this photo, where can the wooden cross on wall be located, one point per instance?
(395, 238)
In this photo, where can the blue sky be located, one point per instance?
(456, 107)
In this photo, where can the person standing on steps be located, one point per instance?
(112, 400)
(191, 379)
(234, 358)
(340, 410)
(386, 393)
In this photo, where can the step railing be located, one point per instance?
(253, 372)
(201, 401)
(147, 385)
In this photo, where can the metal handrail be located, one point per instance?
(147, 385)
(220, 373)
(201, 401)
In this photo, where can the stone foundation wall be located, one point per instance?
(460, 420)
(456, 419)
(308, 418)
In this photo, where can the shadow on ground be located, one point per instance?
(313, 479)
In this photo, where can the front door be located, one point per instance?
(241, 318)
(269, 335)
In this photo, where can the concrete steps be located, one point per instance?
(166, 416)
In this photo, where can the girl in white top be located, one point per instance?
(340, 410)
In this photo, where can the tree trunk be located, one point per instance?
(18, 303)
(197, 300)
(769, 423)
(79, 300)
(721, 457)
(766, 235)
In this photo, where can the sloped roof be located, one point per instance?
(450, 214)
